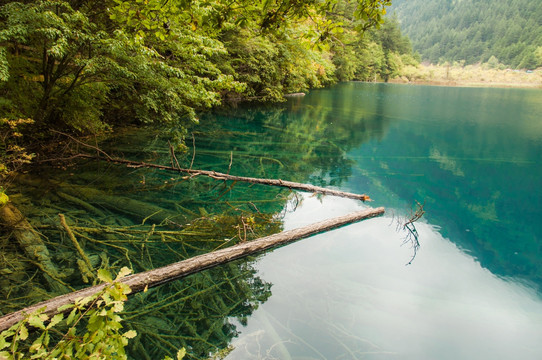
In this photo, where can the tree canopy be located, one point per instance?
(83, 67)
(474, 31)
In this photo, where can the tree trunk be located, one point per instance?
(139, 282)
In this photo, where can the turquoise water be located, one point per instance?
(472, 156)
(474, 290)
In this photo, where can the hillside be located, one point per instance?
(474, 30)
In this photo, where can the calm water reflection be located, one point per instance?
(348, 295)
(473, 292)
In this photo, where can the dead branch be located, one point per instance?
(76, 244)
(221, 176)
(412, 234)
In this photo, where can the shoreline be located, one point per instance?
(469, 76)
(473, 84)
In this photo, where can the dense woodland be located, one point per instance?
(84, 66)
(494, 31)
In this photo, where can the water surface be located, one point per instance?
(473, 291)
(472, 157)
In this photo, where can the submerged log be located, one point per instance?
(131, 207)
(252, 180)
(139, 282)
(87, 268)
(30, 242)
(90, 199)
(81, 203)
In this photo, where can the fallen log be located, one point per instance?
(222, 176)
(139, 282)
(81, 203)
(131, 207)
(31, 243)
(86, 267)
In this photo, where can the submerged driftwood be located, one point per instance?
(30, 242)
(222, 176)
(139, 282)
(131, 207)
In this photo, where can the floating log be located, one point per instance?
(222, 176)
(139, 282)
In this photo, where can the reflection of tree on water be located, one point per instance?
(302, 142)
(193, 312)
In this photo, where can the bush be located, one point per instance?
(39, 336)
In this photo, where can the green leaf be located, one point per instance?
(23, 333)
(123, 272)
(105, 276)
(81, 302)
(3, 342)
(65, 307)
(55, 320)
(71, 317)
(36, 320)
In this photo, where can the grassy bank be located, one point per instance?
(470, 75)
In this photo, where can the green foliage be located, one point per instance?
(12, 153)
(4, 199)
(48, 43)
(493, 62)
(39, 336)
(473, 30)
(102, 338)
(78, 71)
(379, 54)
(85, 67)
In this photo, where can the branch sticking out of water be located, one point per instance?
(408, 225)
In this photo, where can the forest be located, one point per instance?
(85, 67)
(469, 31)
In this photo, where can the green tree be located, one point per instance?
(471, 30)
(84, 67)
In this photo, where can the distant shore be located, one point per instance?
(470, 76)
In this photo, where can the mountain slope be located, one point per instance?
(474, 30)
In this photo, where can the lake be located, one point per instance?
(469, 156)
(472, 156)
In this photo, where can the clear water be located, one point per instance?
(471, 156)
